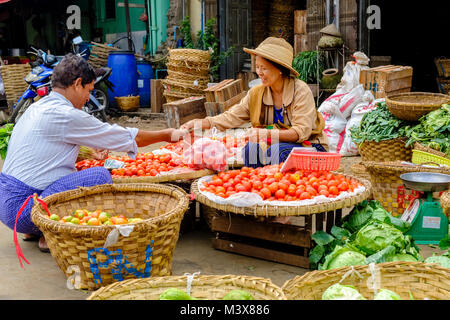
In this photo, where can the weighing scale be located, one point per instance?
(428, 223)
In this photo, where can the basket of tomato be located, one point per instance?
(147, 168)
(267, 191)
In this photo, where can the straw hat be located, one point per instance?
(277, 50)
(331, 30)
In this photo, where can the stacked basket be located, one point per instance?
(387, 187)
(13, 76)
(281, 19)
(209, 287)
(146, 251)
(188, 73)
(408, 279)
(445, 203)
(99, 54)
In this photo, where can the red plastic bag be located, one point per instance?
(205, 153)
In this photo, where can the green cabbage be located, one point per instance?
(342, 292)
(376, 236)
(443, 260)
(385, 294)
(401, 257)
(343, 257)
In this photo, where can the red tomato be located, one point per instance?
(334, 190)
(266, 192)
(304, 196)
(280, 194)
(273, 187)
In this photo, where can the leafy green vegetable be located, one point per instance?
(376, 236)
(401, 257)
(432, 131)
(343, 257)
(385, 294)
(378, 125)
(5, 134)
(305, 63)
(342, 292)
(443, 260)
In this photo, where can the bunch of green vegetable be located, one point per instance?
(347, 292)
(379, 125)
(5, 134)
(433, 130)
(310, 65)
(368, 234)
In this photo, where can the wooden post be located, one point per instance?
(127, 16)
(157, 97)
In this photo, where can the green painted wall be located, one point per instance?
(118, 25)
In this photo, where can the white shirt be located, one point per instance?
(46, 140)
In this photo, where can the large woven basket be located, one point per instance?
(359, 170)
(165, 177)
(128, 104)
(445, 203)
(161, 206)
(422, 280)
(423, 154)
(413, 105)
(277, 211)
(387, 150)
(443, 67)
(205, 287)
(387, 187)
(13, 77)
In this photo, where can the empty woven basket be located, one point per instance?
(413, 105)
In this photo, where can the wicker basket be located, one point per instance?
(443, 67)
(387, 150)
(387, 187)
(413, 105)
(445, 203)
(421, 147)
(422, 280)
(359, 170)
(13, 77)
(162, 207)
(210, 287)
(443, 85)
(165, 177)
(277, 211)
(128, 104)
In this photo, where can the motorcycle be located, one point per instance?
(38, 80)
(39, 84)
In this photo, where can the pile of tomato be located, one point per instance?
(146, 164)
(271, 184)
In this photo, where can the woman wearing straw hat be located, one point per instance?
(281, 109)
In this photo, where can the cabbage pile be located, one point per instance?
(369, 234)
(347, 292)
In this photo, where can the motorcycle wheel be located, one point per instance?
(20, 108)
(102, 98)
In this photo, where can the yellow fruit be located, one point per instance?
(75, 221)
(67, 218)
(107, 223)
(93, 222)
(54, 217)
(103, 216)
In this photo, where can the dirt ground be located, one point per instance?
(42, 278)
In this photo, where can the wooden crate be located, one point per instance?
(210, 91)
(300, 43)
(385, 80)
(300, 22)
(157, 98)
(260, 238)
(181, 111)
(229, 90)
(215, 108)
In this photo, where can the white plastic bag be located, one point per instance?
(367, 104)
(350, 79)
(350, 101)
(335, 130)
(331, 104)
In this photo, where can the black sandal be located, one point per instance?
(31, 237)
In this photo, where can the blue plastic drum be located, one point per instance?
(124, 75)
(145, 73)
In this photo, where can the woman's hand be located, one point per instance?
(178, 134)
